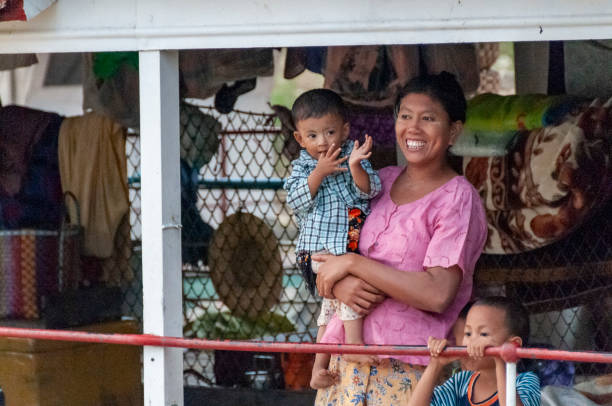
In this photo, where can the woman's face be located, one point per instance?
(424, 130)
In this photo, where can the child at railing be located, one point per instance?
(491, 321)
(329, 190)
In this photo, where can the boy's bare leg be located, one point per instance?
(321, 376)
(353, 335)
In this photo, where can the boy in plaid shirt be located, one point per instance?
(329, 190)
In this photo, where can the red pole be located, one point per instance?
(507, 351)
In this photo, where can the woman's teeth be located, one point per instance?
(415, 144)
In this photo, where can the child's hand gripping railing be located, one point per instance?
(508, 352)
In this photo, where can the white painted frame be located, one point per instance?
(151, 26)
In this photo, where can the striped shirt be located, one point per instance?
(457, 390)
(323, 220)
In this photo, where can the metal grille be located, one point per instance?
(566, 286)
(243, 179)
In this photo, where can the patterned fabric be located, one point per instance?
(308, 268)
(323, 220)
(388, 384)
(457, 391)
(446, 227)
(29, 270)
(548, 184)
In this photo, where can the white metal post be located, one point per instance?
(510, 383)
(161, 219)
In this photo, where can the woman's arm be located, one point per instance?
(432, 290)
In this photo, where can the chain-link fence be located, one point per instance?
(565, 286)
(239, 274)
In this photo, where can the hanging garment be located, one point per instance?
(12, 61)
(588, 68)
(459, 59)
(370, 75)
(20, 130)
(299, 59)
(115, 92)
(203, 72)
(93, 166)
(30, 190)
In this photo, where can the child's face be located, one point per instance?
(486, 326)
(317, 135)
(458, 332)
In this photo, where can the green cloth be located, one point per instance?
(106, 64)
(492, 112)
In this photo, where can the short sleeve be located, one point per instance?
(528, 389)
(459, 229)
(449, 392)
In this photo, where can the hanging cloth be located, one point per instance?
(93, 166)
(13, 61)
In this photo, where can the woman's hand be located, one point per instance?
(332, 269)
(358, 294)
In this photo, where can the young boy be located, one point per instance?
(329, 190)
(491, 321)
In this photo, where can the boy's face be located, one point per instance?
(486, 326)
(317, 135)
(458, 332)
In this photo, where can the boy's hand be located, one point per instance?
(476, 348)
(329, 162)
(362, 152)
(436, 346)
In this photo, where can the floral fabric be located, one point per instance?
(388, 384)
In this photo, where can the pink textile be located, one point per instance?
(444, 228)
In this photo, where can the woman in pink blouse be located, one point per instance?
(418, 250)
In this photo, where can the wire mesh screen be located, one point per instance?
(565, 286)
(238, 237)
(239, 274)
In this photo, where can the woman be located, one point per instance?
(419, 247)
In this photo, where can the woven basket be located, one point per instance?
(37, 263)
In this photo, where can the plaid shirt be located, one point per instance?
(323, 221)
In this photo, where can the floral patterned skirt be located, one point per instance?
(389, 383)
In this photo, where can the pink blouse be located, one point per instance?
(443, 228)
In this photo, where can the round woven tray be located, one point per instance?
(245, 265)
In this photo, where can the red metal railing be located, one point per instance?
(507, 352)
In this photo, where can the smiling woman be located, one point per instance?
(418, 249)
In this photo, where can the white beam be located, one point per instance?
(161, 219)
(112, 25)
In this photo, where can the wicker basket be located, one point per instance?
(37, 263)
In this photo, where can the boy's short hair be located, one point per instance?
(464, 311)
(517, 318)
(316, 103)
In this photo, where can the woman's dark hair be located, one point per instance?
(517, 318)
(443, 88)
(317, 103)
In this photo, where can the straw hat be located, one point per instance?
(245, 265)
